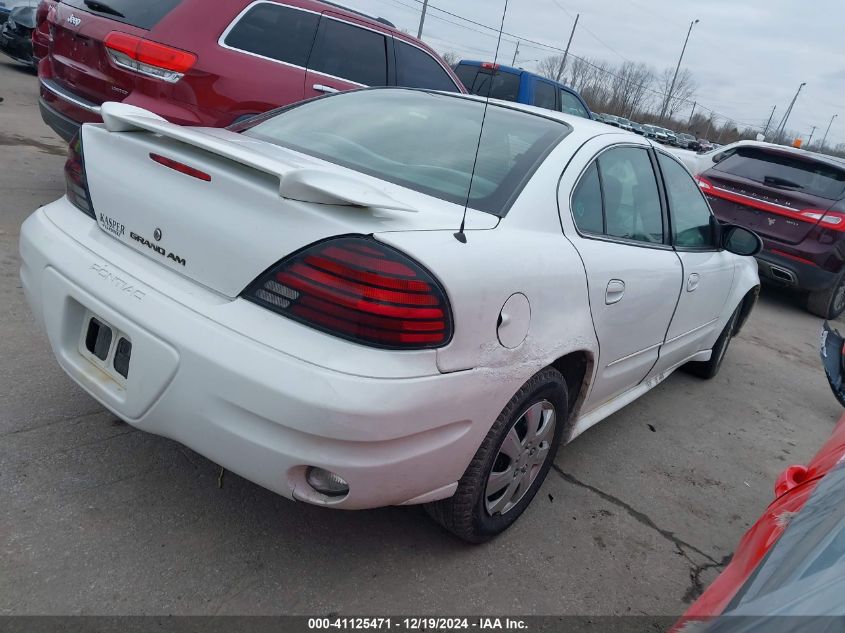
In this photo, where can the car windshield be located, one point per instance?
(781, 170)
(421, 140)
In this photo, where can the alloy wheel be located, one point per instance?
(520, 458)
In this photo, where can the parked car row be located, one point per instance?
(659, 134)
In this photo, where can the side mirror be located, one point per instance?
(741, 241)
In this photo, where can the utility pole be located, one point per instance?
(810, 140)
(677, 68)
(689, 123)
(821, 149)
(515, 53)
(769, 122)
(782, 127)
(566, 52)
(422, 19)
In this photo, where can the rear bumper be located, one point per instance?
(261, 413)
(791, 273)
(62, 125)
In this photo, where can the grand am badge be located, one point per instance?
(156, 248)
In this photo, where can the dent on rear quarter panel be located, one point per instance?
(482, 274)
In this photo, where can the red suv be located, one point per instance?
(196, 62)
(795, 201)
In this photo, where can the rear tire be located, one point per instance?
(511, 463)
(709, 368)
(829, 303)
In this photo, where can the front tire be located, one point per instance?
(511, 463)
(709, 368)
(829, 303)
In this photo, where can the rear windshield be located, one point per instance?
(144, 14)
(782, 171)
(479, 81)
(421, 140)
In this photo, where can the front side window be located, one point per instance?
(418, 69)
(544, 95)
(274, 31)
(688, 209)
(570, 104)
(424, 141)
(351, 53)
(631, 200)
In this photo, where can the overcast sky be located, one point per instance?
(746, 55)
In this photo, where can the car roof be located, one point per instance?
(378, 21)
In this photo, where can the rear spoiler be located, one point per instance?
(318, 186)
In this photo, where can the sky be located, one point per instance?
(746, 56)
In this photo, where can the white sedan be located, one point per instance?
(343, 301)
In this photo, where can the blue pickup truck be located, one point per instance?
(522, 86)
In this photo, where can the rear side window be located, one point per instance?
(275, 31)
(544, 95)
(418, 69)
(481, 81)
(631, 201)
(144, 15)
(586, 203)
(570, 105)
(351, 53)
(782, 171)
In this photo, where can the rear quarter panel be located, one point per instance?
(526, 253)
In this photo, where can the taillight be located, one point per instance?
(358, 289)
(77, 182)
(148, 57)
(490, 66)
(703, 183)
(834, 220)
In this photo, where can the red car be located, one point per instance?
(204, 63)
(810, 495)
(795, 201)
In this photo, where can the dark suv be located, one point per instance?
(795, 201)
(196, 62)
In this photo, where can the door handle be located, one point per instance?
(322, 88)
(615, 290)
(692, 282)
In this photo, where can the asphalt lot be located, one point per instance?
(639, 513)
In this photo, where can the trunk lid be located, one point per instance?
(224, 232)
(80, 61)
(771, 192)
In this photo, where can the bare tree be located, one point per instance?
(450, 57)
(683, 91)
(550, 67)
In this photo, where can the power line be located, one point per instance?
(527, 42)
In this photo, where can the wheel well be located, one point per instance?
(748, 302)
(574, 367)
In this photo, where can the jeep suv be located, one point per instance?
(213, 64)
(795, 201)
